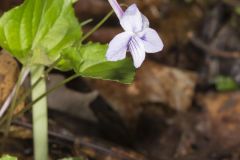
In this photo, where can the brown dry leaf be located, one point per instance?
(153, 83)
(8, 76)
(20, 132)
(223, 112)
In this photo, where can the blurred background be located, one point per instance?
(183, 105)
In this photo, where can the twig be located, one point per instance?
(213, 51)
(79, 141)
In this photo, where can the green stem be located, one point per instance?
(40, 124)
(28, 92)
(86, 22)
(30, 105)
(97, 26)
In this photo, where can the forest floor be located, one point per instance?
(183, 105)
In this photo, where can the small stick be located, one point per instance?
(212, 51)
(72, 139)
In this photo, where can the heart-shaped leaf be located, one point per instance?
(36, 31)
(89, 61)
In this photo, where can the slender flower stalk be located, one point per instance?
(97, 26)
(137, 37)
(117, 8)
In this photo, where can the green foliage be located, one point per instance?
(7, 157)
(89, 61)
(45, 31)
(36, 31)
(224, 83)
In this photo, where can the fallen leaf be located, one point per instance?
(153, 83)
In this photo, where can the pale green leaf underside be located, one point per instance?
(43, 25)
(89, 61)
(7, 157)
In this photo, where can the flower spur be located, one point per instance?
(137, 37)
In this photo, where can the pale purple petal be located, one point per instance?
(152, 41)
(136, 48)
(118, 47)
(132, 19)
(145, 22)
(116, 7)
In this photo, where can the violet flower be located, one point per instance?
(137, 37)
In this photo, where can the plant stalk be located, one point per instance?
(30, 105)
(39, 111)
(97, 26)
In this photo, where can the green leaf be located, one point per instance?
(89, 61)
(42, 31)
(7, 157)
(38, 30)
(70, 59)
(224, 83)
